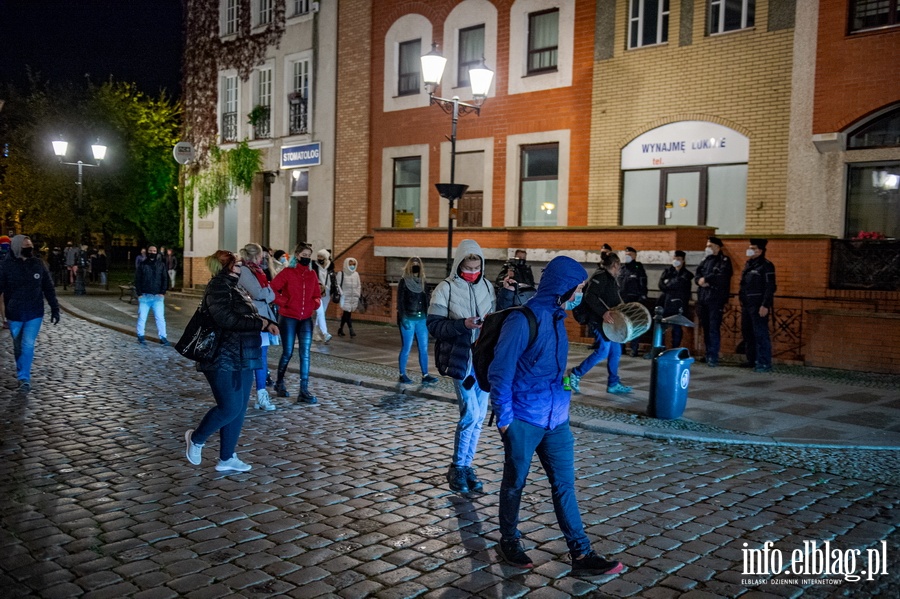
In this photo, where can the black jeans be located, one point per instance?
(291, 330)
(711, 321)
(346, 318)
(755, 329)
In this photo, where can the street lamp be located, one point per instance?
(99, 151)
(480, 78)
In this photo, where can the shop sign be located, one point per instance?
(301, 156)
(686, 143)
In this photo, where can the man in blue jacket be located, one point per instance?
(532, 407)
(24, 283)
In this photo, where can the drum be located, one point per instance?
(630, 321)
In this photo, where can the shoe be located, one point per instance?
(352, 334)
(327, 338)
(763, 369)
(305, 396)
(634, 354)
(142, 340)
(712, 363)
(404, 379)
(648, 355)
(429, 380)
(280, 389)
(164, 342)
(340, 332)
(618, 388)
(591, 564)
(192, 450)
(456, 478)
(24, 386)
(514, 554)
(263, 401)
(269, 381)
(233, 463)
(472, 480)
(575, 383)
(317, 336)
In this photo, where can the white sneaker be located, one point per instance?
(192, 450)
(263, 401)
(233, 464)
(327, 337)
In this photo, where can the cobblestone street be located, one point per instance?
(348, 498)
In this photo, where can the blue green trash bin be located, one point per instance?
(669, 381)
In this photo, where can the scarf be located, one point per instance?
(258, 273)
(413, 284)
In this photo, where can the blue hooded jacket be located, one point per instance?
(527, 382)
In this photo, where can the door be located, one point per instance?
(683, 195)
(470, 209)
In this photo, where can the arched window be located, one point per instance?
(881, 132)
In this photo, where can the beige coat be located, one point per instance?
(351, 286)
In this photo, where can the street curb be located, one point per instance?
(593, 424)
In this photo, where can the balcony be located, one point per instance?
(260, 118)
(229, 127)
(298, 117)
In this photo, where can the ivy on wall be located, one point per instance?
(225, 169)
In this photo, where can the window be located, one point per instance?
(410, 67)
(301, 7)
(266, 10)
(471, 52)
(261, 116)
(731, 15)
(543, 41)
(870, 14)
(881, 132)
(873, 199)
(298, 98)
(539, 185)
(229, 129)
(407, 191)
(648, 23)
(230, 18)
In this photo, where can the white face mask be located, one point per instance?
(676, 263)
(751, 252)
(708, 251)
(628, 258)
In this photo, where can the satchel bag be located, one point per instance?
(336, 295)
(201, 337)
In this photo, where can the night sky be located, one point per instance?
(137, 41)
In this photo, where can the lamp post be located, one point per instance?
(480, 78)
(99, 150)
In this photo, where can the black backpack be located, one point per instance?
(483, 349)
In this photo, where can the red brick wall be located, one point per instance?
(868, 342)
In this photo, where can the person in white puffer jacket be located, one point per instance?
(351, 290)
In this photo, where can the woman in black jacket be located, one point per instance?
(412, 308)
(230, 370)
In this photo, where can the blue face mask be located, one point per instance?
(571, 304)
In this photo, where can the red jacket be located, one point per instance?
(297, 292)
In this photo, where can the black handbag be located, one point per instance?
(201, 337)
(335, 290)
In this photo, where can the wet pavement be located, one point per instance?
(348, 498)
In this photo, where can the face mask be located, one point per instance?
(26, 252)
(471, 277)
(708, 251)
(416, 269)
(352, 267)
(305, 261)
(321, 260)
(676, 263)
(520, 261)
(151, 257)
(628, 258)
(751, 252)
(571, 304)
(283, 260)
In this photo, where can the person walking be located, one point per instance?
(351, 291)
(25, 283)
(757, 295)
(675, 284)
(632, 281)
(230, 370)
(412, 308)
(71, 257)
(600, 294)
(101, 265)
(253, 280)
(171, 266)
(713, 280)
(150, 284)
(297, 297)
(532, 408)
(458, 306)
(324, 268)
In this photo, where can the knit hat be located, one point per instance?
(679, 254)
(4, 240)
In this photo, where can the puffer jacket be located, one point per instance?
(235, 316)
(410, 305)
(527, 382)
(351, 286)
(454, 300)
(297, 292)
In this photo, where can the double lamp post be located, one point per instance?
(480, 78)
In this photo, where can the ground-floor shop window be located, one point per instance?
(873, 200)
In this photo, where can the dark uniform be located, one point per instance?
(525, 288)
(757, 290)
(676, 287)
(716, 271)
(632, 281)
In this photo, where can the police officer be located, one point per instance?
(675, 284)
(632, 281)
(757, 295)
(515, 283)
(713, 284)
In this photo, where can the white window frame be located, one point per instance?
(468, 13)
(289, 75)
(263, 12)
(718, 28)
(663, 11)
(406, 28)
(264, 77)
(230, 17)
(514, 145)
(520, 80)
(226, 77)
(387, 181)
(399, 53)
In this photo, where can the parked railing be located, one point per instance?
(298, 115)
(229, 126)
(865, 264)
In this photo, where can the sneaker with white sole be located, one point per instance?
(618, 388)
(575, 383)
(192, 450)
(263, 401)
(233, 464)
(327, 337)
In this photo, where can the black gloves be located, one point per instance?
(54, 316)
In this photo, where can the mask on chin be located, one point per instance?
(574, 302)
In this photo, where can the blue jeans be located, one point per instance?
(473, 405)
(260, 374)
(230, 389)
(417, 329)
(604, 349)
(711, 323)
(24, 333)
(755, 329)
(292, 329)
(158, 303)
(555, 450)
